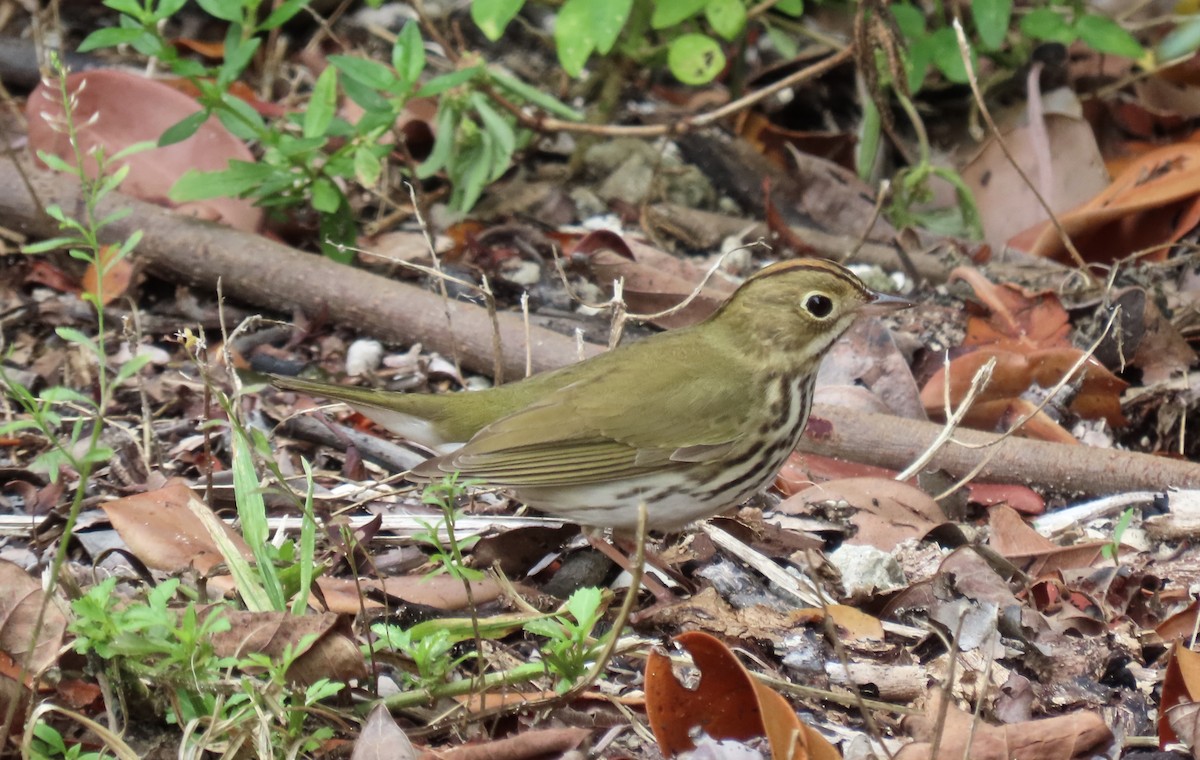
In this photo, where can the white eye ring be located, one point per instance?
(818, 305)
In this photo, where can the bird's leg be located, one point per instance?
(661, 592)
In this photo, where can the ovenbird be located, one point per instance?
(689, 421)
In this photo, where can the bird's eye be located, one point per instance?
(820, 306)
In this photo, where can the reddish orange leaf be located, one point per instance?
(112, 284)
(1181, 684)
(1153, 203)
(727, 704)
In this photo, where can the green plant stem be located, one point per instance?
(83, 469)
(518, 675)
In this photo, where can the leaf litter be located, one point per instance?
(996, 641)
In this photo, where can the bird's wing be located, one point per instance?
(629, 421)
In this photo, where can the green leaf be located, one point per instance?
(373, 103)
(131, 8)
(240, 118)
(1181, 41)
(322, 104)
(695, 59)
(53, 244)
(367, 166)
(131, 368)
(492, 16)
(608, 17)
(470, 172)
(337, 231)
(61, 395)
(726, 17)
(583, 605)
(500, 130)
(57, 163)
(943, 44)
(584, 26)
(71, 335)
(238, 53)
(443, 144)
(111, 37)
(535, 96)
(910, 20)
(283, 13)
(793, 8)
(668, 13)
(371, 73)
(260, 590)
(408, 54)
(991, 21)
(133, 149)
(783, 42)
(1048, 25)
(1107, 36)
(183, 129)
(440, 84)
(326, 197)
(239, 179)
(226, 10)
(168, 8)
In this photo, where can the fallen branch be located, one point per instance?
(893, 442)
(273, 276)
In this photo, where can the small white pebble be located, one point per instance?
(363, 356)
(521, 272)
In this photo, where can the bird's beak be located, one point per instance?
(883, 303)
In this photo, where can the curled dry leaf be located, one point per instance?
(803, 469)
(1075, 735)
(1181, 686)
(1015, 540)
(651, 284)
(728, 703)
(1149, 206)
(1027, 337)
(550, 742)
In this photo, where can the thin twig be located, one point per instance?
(965, 52)
(677, 127)
(982, 376)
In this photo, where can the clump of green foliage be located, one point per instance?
(308, 156)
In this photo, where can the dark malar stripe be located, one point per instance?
(766, 459)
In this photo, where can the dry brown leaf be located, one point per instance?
(324, 643)
(117, 109)
(1026, 336)
(1007, 204)
(381, 738)
(112, 284)
(1153, 203)
(727, 704)
(886, 512)
(21, 598)
(1181, 685)
(1185, 722)
(161, 530)
(1013, 539)
(650, 288)
(548, 742)
(1075, 735)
